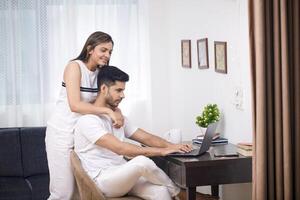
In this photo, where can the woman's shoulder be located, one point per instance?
(79, 64)
(72, 68)
(74, 63)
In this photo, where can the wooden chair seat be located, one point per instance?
(88, 190)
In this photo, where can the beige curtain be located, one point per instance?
(275, 65)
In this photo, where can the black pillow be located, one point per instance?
(10, 152)
(33, 151)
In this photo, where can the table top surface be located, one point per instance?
(208, 157)
(207, 169)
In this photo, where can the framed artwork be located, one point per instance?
(221, 57)
(186, 53)
(202, 50)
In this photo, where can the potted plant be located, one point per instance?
(210, 114)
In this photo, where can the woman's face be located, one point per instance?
(100, 55)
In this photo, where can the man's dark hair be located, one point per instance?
(109, 74)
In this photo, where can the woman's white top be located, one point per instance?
(63, 119)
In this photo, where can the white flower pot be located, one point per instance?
(203, 130)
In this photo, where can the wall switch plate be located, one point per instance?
(238, 98)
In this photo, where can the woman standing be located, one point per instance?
(79, 89)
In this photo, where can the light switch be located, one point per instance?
(238, 98)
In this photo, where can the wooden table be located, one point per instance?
(207, 170)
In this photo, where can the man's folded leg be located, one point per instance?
(150, 191)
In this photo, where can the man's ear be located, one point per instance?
(104, 89)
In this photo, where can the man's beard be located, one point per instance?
(113, 104)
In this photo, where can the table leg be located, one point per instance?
(191, 193)
(215, 190)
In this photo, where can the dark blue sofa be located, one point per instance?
(23, 164)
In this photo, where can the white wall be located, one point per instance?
(179, 94)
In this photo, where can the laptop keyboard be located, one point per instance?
(194, 151)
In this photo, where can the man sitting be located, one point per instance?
(101, 148)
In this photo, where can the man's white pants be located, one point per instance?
(139, 177)
(58, 146)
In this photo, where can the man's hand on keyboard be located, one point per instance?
(174, 148)
(182, 147)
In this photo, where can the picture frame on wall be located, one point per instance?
(186, 53)
(220, 57)
(202, 52)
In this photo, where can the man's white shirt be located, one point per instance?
(88, 130)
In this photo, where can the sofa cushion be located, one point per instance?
(34, 151)
(10, 152)
(14, 188)
(40, 186)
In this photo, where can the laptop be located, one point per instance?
(207, 140)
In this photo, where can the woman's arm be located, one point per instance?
(72, 79)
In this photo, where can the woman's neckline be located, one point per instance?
(90, 70)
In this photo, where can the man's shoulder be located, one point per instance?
(90, 119)
(87, 119)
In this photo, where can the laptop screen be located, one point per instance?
(208, 137)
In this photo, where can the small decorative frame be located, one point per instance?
(186, 53)
(221, 57)
(202, 50)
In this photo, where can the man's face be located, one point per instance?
(115, 94)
